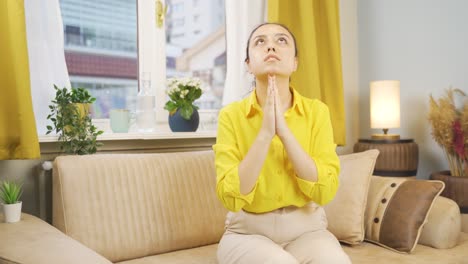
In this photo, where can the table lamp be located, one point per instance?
(385, 108)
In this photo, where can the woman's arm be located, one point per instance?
(316, 169)
(251, 165)
(303, 164)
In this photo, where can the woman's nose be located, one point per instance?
(271, 49)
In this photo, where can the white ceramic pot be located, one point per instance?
(12, 212)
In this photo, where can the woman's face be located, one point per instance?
(271, 52)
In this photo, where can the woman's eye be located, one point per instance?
(282, 41)
(259, 41)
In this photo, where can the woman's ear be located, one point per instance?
(247, 66)
(295, 64)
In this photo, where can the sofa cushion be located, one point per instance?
(443, 225)
(364, 253)
(345, 213)
(198, 255)
(368, 253)
(127, 206)
(397, 209)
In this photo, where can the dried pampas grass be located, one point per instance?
(443, 114)
(464, 122)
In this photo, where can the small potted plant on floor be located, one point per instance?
(10, 193)
(71, 121)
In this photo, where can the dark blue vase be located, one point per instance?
(178, 124)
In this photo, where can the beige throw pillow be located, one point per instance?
(397, 209)
(345, 213)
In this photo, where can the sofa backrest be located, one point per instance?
(126, 206)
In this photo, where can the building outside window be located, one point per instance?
(198, 47)
(101, 51)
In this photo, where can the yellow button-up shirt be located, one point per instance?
(277, 185)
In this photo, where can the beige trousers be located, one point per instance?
(287, 235)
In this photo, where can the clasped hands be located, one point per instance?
(274, 122)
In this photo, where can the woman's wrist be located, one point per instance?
(285, 134)
(265, 135)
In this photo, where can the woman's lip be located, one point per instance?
(269, 57)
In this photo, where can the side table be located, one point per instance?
(397, 158)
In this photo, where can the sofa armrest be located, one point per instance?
(34, 241)
(443, 225)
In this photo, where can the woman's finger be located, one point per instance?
(275, 91)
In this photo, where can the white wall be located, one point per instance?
(422, 43)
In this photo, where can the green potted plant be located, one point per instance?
(10, 193)
(448, 117)
(183, 114)
(69, 113)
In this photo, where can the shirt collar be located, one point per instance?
(297, 101)
(253, 106)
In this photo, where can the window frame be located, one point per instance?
(152, 53)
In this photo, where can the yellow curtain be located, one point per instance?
(18, 136)
(316, 26)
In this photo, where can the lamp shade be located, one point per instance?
(385, 104)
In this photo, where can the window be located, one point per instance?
(199, 49)
(178, 22)
(177, 6)
(176, 36)
(101, 51)
(72, 35)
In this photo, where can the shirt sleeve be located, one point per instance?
(227, 160)
(323, 152)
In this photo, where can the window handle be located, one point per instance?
(160, 13)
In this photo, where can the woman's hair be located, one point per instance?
(269, 23)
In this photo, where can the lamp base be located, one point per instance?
(385, 136)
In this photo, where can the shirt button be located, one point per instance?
(280, 198)
(278, 171)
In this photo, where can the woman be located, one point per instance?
(276, 164)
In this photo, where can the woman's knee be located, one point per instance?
(281, 257)
(318, 247)
(236, 248)
(277, 256)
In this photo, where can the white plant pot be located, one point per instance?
(12, 212)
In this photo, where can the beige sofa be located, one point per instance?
(150, 208)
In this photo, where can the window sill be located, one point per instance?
(141, 136)
(164, 141)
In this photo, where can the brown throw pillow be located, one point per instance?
(397, 209)
(345, 213)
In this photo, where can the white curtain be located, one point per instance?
(47, 65)
(241, 17)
